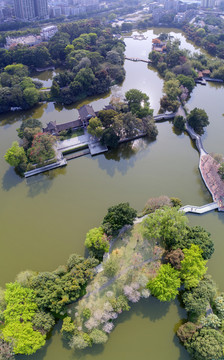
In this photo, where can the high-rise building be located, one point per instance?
(208, 3)
(41, 8)
(24, 9)
(31, 9)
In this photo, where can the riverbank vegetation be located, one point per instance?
(35, 150)
(17, 89)
(160, 255)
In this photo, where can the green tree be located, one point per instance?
(187, 82)
(43, 321)
(198, 119)
(186, 331)
(179, 122)
(198, 236)
(111, 267)
(167, 225)
(110, 138)
(20, 309)
(117, 216)
(107, 117)
(15, 155)
(171, 88)
(211, 321)
(85, 77)
(138, 103)
(219, 305)
(150, 127)
(165, 285)
(193, 267)
(98, 336)
(68, 328)
(199, 298)
(97, 242)
(206, 344)
(55, 290)
(29, 123)
(31, 96)
(55, 89)
(95, 127)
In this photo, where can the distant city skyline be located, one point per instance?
(31, 9)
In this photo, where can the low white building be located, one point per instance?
(48, 32)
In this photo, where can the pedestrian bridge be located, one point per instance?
(199, 209)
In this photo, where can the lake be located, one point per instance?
(45, 218)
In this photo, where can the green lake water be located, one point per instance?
(45, 218)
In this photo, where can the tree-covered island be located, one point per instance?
(123, 121)
(157, 255)
(90, 56)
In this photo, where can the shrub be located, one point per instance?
(211, 321)
(86, 313)
(120, 303)
(132, 293)
(175, 257)
(219, 305)
(156, 203)
(98, 337)
(186, 331)
(6, 350)
(68, 328)
(43, 321)
(79, 342)
(97, 242)
(110, 267)
(24, 277)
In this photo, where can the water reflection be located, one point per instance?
(11, 179)
(127, 152)
(20, 115)
(42, 183)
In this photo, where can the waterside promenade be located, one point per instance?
(208, 167)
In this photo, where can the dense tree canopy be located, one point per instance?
(167, 225)
(138, 103)
(193, 267)
(198, 299)
(55, 290)
(198, 119)
(117, 216)
(198, 236)
(20, 309)
(206, 344)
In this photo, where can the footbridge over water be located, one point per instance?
(199, 209)
(138, 60)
